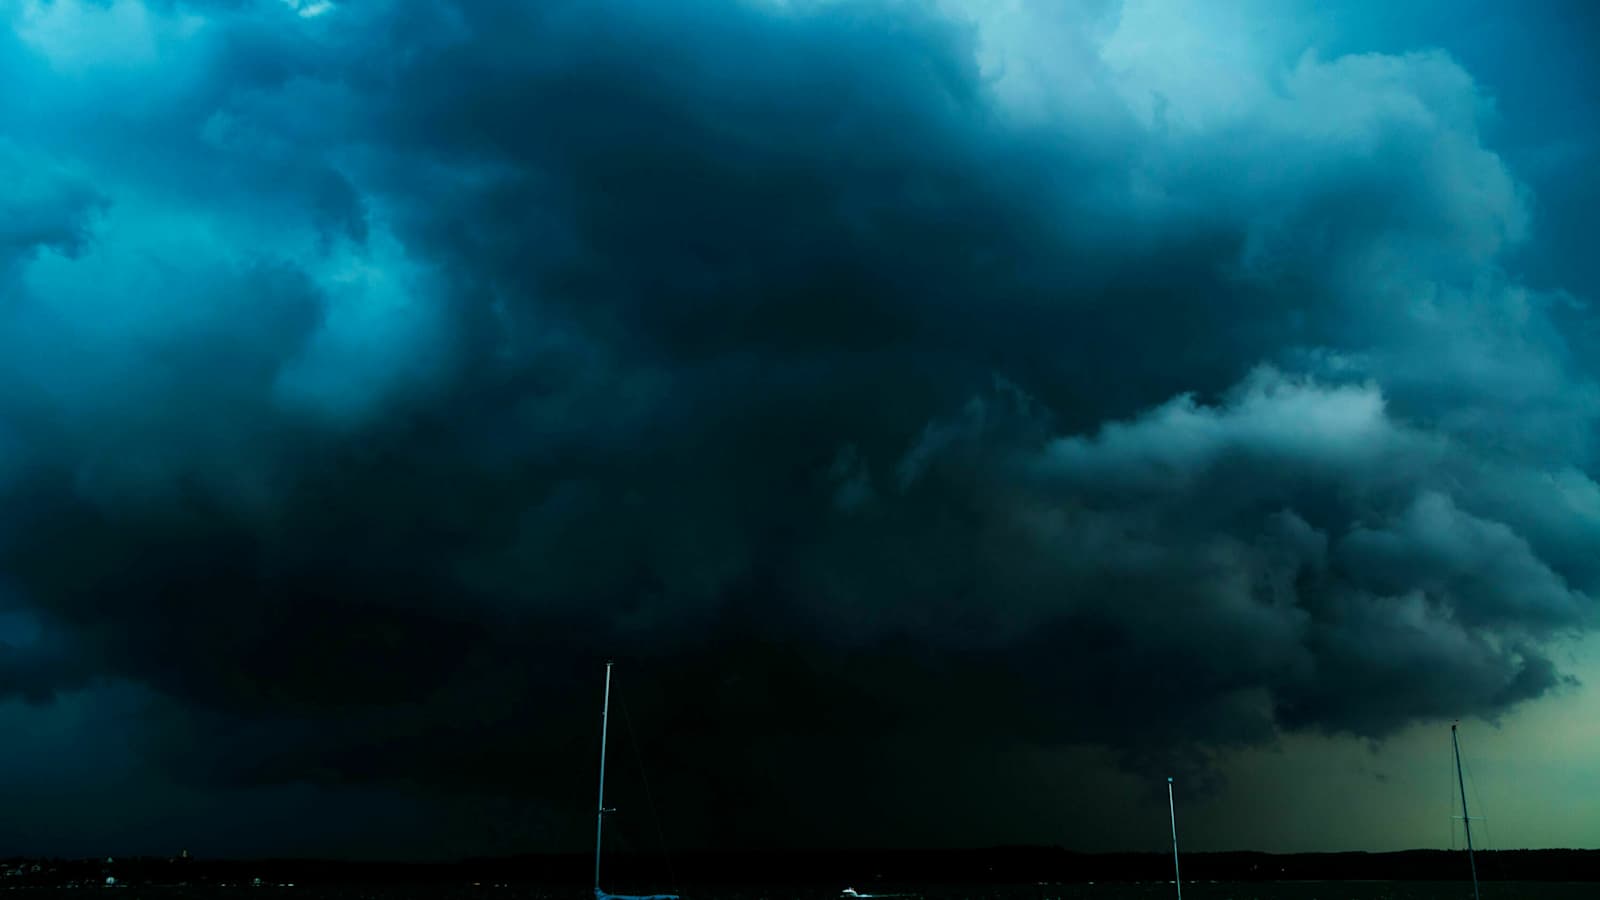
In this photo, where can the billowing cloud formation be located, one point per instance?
(1295, 546)
(946, 373)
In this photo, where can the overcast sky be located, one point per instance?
(962, 414)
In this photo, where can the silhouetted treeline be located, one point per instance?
(865, 870)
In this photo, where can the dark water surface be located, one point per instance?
(1295, 890)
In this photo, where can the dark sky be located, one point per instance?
(954, 417)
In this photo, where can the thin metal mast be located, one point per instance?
(1466, 820)
(600, 816)
(1173, 809)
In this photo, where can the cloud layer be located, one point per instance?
(936, 373)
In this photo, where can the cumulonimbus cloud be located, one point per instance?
(382, 365)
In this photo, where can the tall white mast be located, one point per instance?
(1466, 818)
(1172, 808)
(600, 816)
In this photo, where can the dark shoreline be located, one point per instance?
(864, 869)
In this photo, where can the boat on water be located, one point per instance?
(1466, 818)
(600, 817)
(1172, 811)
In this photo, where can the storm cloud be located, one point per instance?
(961, 376)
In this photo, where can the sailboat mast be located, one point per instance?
(600, 815)
(1173, 809)
(1466, 819)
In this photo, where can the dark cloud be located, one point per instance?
(863, 376)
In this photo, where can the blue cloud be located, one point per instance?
(366, 370)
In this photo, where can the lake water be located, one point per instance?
(1301, 890)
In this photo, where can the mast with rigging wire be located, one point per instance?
(1466, 819)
